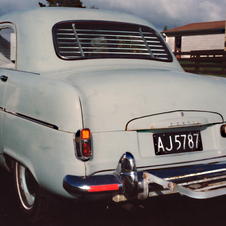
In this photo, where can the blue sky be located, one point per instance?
(172, 13)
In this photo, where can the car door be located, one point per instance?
(7, 64)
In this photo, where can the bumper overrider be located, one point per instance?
(200, 181)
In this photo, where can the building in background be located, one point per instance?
(197, 36)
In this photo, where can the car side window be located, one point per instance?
(7, 48)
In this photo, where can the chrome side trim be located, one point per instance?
(196, 174)
(30, 119)
(181, 119)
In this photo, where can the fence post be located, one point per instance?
(197, 63)
(224, 53)
(224, 62)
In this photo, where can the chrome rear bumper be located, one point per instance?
(200, 181)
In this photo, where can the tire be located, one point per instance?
(34, 203)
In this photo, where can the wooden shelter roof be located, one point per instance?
(214, 27)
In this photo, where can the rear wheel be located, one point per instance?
(34, 203)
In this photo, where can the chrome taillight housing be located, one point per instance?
(83, 148)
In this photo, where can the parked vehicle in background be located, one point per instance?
(94, 106)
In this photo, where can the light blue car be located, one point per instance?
(94, 106)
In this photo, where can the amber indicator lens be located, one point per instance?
(85, 134)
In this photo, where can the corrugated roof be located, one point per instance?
(199, 26)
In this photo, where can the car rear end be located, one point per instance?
(141, 125)
(141, 163)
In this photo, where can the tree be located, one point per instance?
(63, 3)
(41, 4)
(93, 7)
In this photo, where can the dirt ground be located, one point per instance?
(165, 210)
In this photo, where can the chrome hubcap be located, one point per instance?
(25, 186)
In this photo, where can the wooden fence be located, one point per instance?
(212, 62)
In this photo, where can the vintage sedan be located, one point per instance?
(94, 106)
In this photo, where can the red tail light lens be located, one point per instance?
(86, 149)
(83, 144)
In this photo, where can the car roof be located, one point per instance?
(33, 27)
(55, 14)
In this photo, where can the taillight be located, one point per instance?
(83, 144)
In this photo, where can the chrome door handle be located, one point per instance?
(3, 78)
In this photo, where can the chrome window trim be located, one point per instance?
(40, 122)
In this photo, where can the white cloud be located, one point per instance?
(172, 13)
(7, 6)
(211, 10)
(167, 12)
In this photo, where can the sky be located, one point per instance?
(161, 13)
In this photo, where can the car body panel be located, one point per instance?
(29, 93)
(48, 153)
(128, 97)
(142, 146)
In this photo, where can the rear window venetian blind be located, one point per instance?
(98, 39)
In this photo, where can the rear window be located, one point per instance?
(100, 39)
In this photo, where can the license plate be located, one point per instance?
(176, 142)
